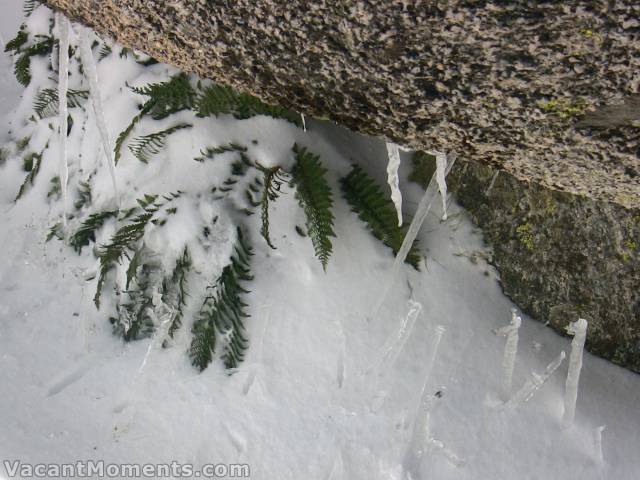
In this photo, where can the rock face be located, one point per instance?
(546, 92)
(501, 82)
(561, 256)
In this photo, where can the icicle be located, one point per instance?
(304, 123)
(579, 331)
(63, 86)
(393, 179)
(597, 439)
(421, 213)
(535, 383)
(91, 73)
(441, 165)
(392, 349)
(510, 352)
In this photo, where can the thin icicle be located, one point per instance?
(421, 213)
(63, 86)
(579, 331)
(441, 166)
(597, 439)
(392, 349)
(535, 383)
(392, 178)
(304, 123)
(510, 352)
(91, 73)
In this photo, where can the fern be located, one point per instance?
(35, 160)
(212, 152)
(46, 102)
(104, 52)
(16, 43)
(125, 134)
(126, 238)
(377, 211)
(30, 6)
(147, 145)
(87, 230)
(315, 198)
(174, 291)
(84, 195)
(223, 312)
(22, 66)
(273, 178)
(167, 98)
(220, 99)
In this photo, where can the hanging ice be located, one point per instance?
(534, 383)
(421, 213)
(441, 165)
(510, 352)
(304, 123)
(63, 86)
(91, 73)
(579, 331)
(392, 178)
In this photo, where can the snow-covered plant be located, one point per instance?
(146, 146)
(377, 211)
(221, 317)
(315, 198)
(24, 49)
(46, 101)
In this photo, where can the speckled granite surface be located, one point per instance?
(502, 82)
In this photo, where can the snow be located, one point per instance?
(392, 178)
(300, 405)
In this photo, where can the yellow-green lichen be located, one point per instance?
(525, 235)
(564, 108)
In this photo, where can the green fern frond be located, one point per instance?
(46, 102)
(167, 98)
(174, 291)
(84, 195)
(87, 230)
(221, 317)
(34, 161)
(377, 211)
(16, 43)
(273, 178)
(55, 231)
(30, 6)
(104, 52)
(315, 198)
(220, 99)
(211, 152)
(22, 66)
(127, 237)
(125, 134)
(143, 148)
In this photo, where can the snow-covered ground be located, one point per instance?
(307, 401)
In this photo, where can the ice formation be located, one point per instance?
(579, 331)
(91, 73)
(421, 213)
(597, 438)
(535, 383)
(392, 178)
(63, 86)
(441, 166)
(510, 352)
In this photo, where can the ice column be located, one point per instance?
(510, 352)
(535, 383)
(91, 73)
(63, 86)
(441, 165)
(579, 331)
(392, 178)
